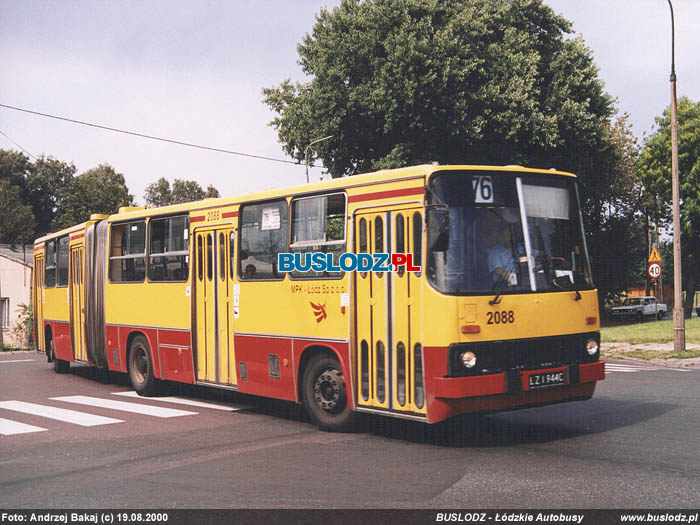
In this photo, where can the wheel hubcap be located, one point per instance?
(140, 365)
(328, 390)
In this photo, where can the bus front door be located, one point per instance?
(77, 303)
(408, 391)
(213, 306)
(371, 315)
(388, 335)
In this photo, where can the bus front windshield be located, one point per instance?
(502, 232)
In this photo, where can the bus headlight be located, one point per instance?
(468, 359)
(592, 347)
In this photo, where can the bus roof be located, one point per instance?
(382, 176)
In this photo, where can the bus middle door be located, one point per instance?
(213, 299)
(371, 314)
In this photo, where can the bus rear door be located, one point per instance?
(77, 306)
(39, 301)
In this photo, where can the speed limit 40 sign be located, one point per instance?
(654, 270)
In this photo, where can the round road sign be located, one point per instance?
(654, 270)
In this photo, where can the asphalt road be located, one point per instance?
(634, 445)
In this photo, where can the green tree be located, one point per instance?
(401, 82)
(405, 81)
(655, 169)
(160, 193)
(99, 190)
(211, 193)
(46, 184)
(16, 218)
(17, 222)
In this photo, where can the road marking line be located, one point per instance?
(10, 428)
(618, 367)
(137, 408)
(182, 401)
(15, 360)
(61, 414)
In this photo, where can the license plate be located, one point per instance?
(545, 379)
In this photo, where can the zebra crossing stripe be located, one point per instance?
(10, 428)
(182, 401)
(619, 367)
(136, 408)
(61, 414)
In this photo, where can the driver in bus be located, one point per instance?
(501, 259)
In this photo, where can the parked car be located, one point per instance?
(640, 307)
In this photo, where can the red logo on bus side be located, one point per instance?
(319, 311)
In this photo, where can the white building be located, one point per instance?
(16, 264)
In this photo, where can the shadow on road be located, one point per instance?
(522, 427)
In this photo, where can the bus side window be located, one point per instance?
(417, 240)
(127, 258)
(400, 240)
(50, 264)
(231, 244)
(169, 249)
(62, 262)
(210, 254)
(362, 241)
(379, 239)
(263, 234)
(318, 225)
(200, 259)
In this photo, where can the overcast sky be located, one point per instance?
(193, 71)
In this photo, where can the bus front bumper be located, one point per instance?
(513, 389)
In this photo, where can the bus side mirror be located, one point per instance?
(438, 229)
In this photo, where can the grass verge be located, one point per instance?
(648, 355)
(650, 332)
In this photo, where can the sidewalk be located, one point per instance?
(653, 354)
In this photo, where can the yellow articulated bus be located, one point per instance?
(495, 310)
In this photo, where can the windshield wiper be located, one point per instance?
(499, 286)
(572, 285)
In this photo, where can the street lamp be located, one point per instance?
(306, 153)
(678, 317)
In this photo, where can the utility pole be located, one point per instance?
(306, 153)
(2, 312)
(678, 317)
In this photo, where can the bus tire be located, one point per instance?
(141, 368)
(325, 395)
(59, 365)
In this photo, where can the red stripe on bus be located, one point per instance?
(386, 194)
(75, 237)
(198, 218)
(228, 214)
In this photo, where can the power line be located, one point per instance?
(143, 135)
(20, 147)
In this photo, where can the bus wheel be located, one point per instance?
(325, 397)
(141, 368)
(59, 365)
